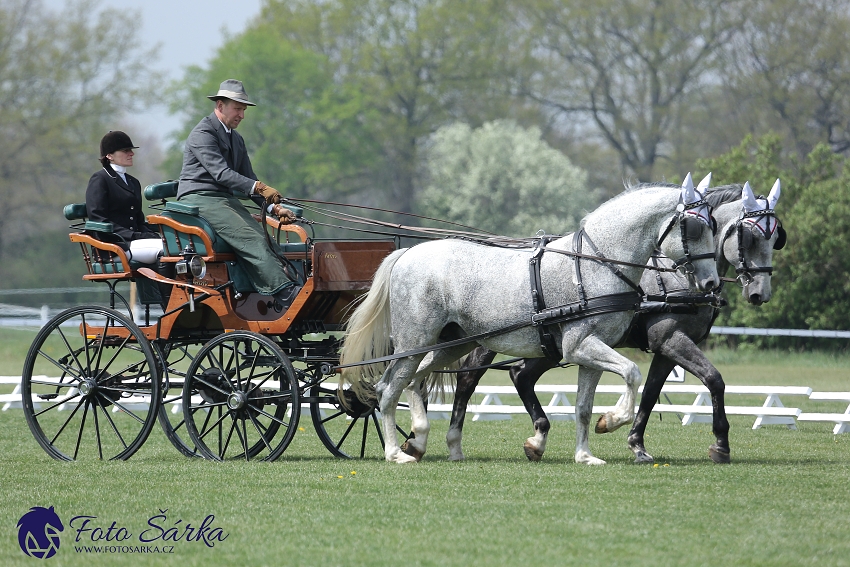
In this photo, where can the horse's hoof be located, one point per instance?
(602, 424)
(411, 449)
(643, 458)
(591, 461)
(533, 453)
(719, 455)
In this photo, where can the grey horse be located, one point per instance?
(748, 235)
(458, 294)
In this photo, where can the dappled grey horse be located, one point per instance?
(749, 232)
(443, 298)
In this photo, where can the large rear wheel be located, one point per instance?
(90, 385)
(240, 398)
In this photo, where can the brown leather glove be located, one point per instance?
(284, 214)
(270, 194)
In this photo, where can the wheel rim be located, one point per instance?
(351, 433)
(240, 398)
(91, 394)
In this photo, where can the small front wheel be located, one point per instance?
(351, 431)
(90, 385)
(240, 398)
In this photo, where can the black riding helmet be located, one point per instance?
(114, 141)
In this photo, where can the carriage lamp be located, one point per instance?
(191, 263)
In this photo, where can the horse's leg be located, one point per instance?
(524, 376)
(465, 387)
(388, 389)
(682, 350)
(596, 354)
(588, 378)
(658, 371)
(419, 426)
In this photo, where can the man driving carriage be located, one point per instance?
(216, 171)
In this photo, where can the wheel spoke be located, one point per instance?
(223, 450)
(127, 411)
(334, 416)
(67, 421)
(71, 351)
(347, 431)
(363, 439)
(217, 422)
(268, 415)
(114, 427)
(82, 426)
(97, 431)
(60, 366)
(59, 403)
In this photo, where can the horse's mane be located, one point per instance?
(629, 189)
(716, 196)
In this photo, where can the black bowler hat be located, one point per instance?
(114, 141)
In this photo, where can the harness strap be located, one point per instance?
(438, 346)
(547, 339)
(615, 302)
(604, 261)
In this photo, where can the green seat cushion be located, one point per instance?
(159, 191)
(108, 268)
(293, 246)
(171, 239)
(99, 226)
(75, 211)
(178, 207)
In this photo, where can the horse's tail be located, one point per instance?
(367, 335)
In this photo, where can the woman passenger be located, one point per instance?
(114, 196)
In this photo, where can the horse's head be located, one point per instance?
(748, 242)
(688, 237)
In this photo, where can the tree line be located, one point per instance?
(414, 105)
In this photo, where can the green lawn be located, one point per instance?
(785, 499)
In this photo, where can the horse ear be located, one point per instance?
(748, 199)
(688, 195)
(705, 183)
(774, 195)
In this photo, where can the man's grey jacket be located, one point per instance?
(214, 160)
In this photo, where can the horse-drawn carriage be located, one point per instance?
(225, 370)
(241, 367)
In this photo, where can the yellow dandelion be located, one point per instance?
(301, 429)
(339, 476)
(666, 464)
(655, 466)
(353, 472)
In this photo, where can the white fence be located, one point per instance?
(771, 411)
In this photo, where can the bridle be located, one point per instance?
(745, 269)
(691, 229)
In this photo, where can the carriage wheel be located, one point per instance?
(91, 394)
(351, 433)
(236, 397)
(172, 360)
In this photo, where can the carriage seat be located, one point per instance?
(190, 215)
(104, 258)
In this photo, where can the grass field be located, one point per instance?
(785, 499)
